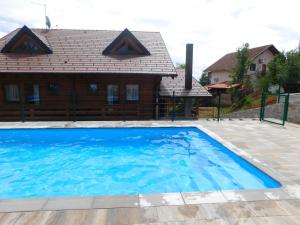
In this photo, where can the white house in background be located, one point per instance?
(220, 71)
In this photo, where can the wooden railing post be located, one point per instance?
(22, 105)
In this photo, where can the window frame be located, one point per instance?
(53, 92)
(113, 102)
(250, 67)
(34, 101)
(90, 92)
(126, 94)
(5, 94)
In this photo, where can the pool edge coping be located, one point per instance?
(288, 191)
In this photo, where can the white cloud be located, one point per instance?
(216, 27)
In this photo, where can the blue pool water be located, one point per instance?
(110, 161)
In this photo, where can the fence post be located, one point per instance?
(278, 98)
(156, 104)
(22, 109)
(74, 100)
(173, 114)
(261, 107)
(219, 105)
(286, 108)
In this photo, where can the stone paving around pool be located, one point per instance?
(272, 148)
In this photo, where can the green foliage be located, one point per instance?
(180, 66)
(290, 76)
(283, 70)
(242, 64)
(239, 75)
(204, 80)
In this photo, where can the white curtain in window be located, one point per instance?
(12, 93)
(132, 92)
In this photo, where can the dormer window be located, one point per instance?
(26, 41)
(27, 46)
(126, 48)
(126, 44)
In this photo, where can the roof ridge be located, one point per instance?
(79, 29)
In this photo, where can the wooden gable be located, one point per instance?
(26, 41)
(126, 44)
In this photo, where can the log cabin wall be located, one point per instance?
(69, 98)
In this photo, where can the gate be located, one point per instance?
(274, 113)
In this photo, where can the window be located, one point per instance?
(112, 94)
(27, 46)
(253, 67)
(53, 88)
(132, 92)
(126, 48)
(264, 69)
(12, 93)
(34, 94)
(93, 88)
(216, 80)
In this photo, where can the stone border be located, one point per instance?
(289, 190)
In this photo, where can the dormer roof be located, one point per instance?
(26, 41)
(126, 44)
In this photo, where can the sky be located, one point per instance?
(215, 27)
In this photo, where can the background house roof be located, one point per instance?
(222, 85)
(168, 85)
(226, 63)
(80, 51)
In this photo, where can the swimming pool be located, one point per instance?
(111, 161)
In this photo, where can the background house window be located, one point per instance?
(12, 93)
(112, 94)
(216, 80)
(53, 88)
(132, 92)
(253, 67)
(264, 69)
(93, 88)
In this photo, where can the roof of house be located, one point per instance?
(227, 62)
(177, 84)
(81, 51)
(221, 85)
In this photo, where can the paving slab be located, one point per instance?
(68, 203)
(161, 199)
(117, 201)
(203, 197)
(268, 208)
(276, 194)
(293, 190)
(17, 205)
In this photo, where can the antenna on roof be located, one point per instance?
(47, 20)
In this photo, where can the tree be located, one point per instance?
(272, 77)
(242, 64)
(204, 80)
(180, 66)
(290, 76)
(283, 70)
(239, 74)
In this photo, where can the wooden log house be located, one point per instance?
(62, 74)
